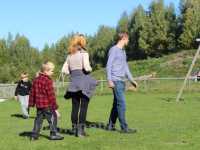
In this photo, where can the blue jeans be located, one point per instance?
(119, 105)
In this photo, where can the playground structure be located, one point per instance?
(189, 73)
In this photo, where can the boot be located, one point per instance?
(80, 131)
(34, 136)
(73, 130)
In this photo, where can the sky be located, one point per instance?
(46, 21)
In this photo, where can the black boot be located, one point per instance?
(73, 130)
(80, 131)
(34, 136)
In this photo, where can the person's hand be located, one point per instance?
(16, 98)
(57, 113)
(97, 82)
(111, 84)
(134, 83)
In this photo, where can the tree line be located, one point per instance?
(154, 32)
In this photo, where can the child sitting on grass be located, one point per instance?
(42, 96)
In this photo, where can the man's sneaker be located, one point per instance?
(110, 128)
(128, 130)
(56, 137)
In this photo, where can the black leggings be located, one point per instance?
(79, 109)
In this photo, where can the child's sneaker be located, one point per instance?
(25, 117)
(56, 137)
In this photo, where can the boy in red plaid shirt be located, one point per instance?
(42, 96)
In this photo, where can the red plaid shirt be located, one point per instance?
(42, 93)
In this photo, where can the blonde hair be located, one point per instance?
(77, 42)
(46, 66)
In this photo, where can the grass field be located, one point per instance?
(162, 125)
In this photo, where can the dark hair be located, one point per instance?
(121, 35)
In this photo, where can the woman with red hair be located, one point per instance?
(82, 85)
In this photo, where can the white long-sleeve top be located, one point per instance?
(77, 61)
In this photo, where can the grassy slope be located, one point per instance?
(162, 125)
(173, 65)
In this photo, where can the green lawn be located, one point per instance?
(162, 125)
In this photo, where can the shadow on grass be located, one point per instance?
(29, 134)
(98, 125)
(89, 124)
(20, 116)
(171, 99)
(61, 130)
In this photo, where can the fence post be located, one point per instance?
(188, 73)
(145, 85)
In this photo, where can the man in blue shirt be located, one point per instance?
(117, 72)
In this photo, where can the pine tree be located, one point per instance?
(171, 19)
(190, 20)
(100, 44)
(138, 34)
(123, 23)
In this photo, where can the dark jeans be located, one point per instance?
(79, 109)
(45, 114)
(119, 105)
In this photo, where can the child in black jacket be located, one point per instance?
(22, 94)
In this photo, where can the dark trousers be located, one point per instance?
(119, 105)
(50, 116)
(79, 109)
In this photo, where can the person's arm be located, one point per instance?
(130, 77)
(32, 97)
(128, 73)
(65, 68)
(17, 88)
(86, 62)
(51, 95)
(111, 57)
(29, 86)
